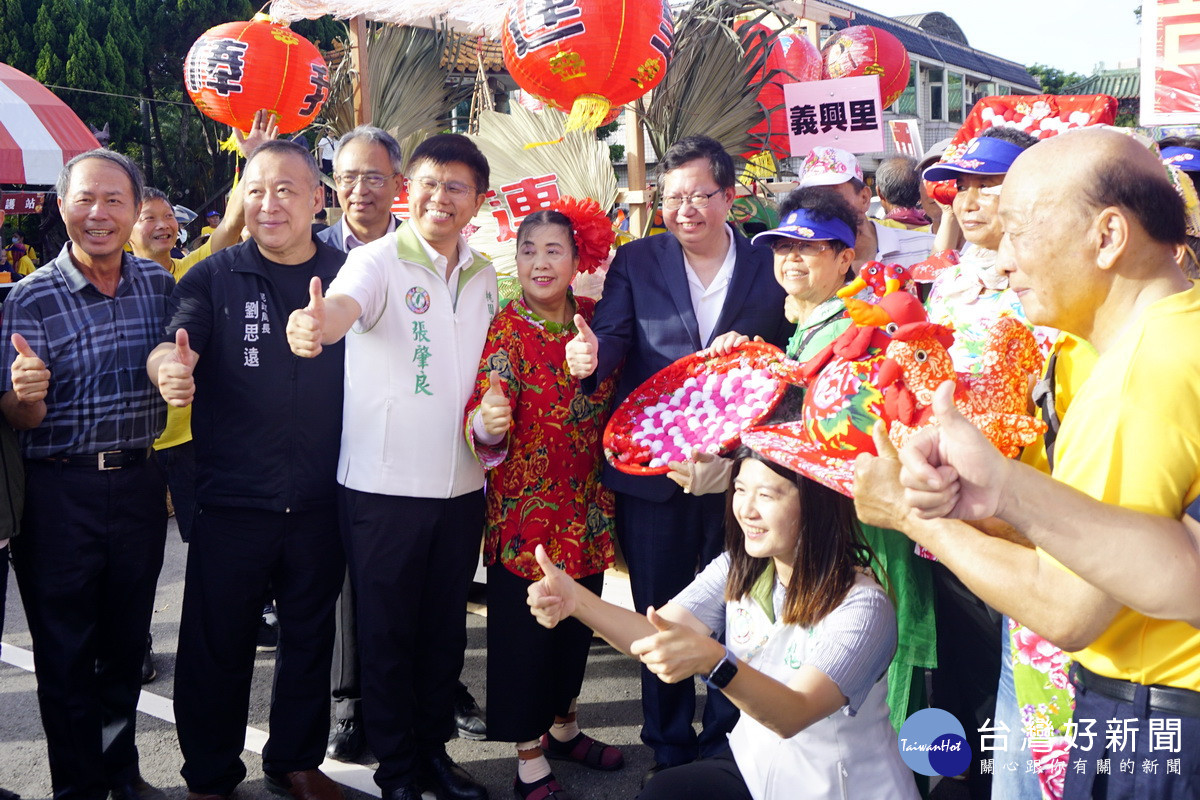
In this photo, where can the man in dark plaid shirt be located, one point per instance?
(78, 332)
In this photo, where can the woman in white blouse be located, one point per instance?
(809, 633)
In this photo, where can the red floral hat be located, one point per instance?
(591, 227)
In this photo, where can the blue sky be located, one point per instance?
(1071, 35)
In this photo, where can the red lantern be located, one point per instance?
(793, 59)
(865, 50)
(587, 56)
(235, 69)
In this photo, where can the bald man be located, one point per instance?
(1091, 230)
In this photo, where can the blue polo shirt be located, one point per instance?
(95, 346)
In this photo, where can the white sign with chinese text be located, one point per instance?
(844, 113)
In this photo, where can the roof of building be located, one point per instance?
(1123, 84)
(927, 37)
(938, 24)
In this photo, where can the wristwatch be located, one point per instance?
(723, 672)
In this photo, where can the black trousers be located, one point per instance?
(411, 561)
(236, 558)
(87, 564)
(665, 545)
(344, 679)
(713, 778)
(533, 672)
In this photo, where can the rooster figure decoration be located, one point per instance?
(995, 400)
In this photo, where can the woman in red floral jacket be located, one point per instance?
(539, 437)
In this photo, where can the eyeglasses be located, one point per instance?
(453, 188)
(348, 180)
(782, 246)
(699, 200)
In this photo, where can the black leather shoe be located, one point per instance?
(654, 770)
(468, 717)
(346, 741)
(403, 793)
(136, 789)
(149, 673)
(447, 780)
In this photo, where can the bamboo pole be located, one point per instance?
(637, 195)
(363, 112)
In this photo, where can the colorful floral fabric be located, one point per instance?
(1046, 700)
(543, 480)
(969, 297)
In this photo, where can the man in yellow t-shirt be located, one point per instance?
(153, 236)
(213, 220)
(1091, 229)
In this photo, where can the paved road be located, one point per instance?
(609, 709)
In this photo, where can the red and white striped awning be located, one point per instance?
(38, 132)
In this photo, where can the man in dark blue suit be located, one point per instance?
(665, 297)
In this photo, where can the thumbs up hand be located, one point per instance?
(175, 381)
(306, 326)
(675, 652)
(30, 378)
(552, 599)
(582, 350)
(494, 409)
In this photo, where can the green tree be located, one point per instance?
(1054, 80)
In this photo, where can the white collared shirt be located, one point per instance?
(350, 241)
(707, 301)
(440, 262)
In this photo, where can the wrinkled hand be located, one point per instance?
(552, 599)
(306, 326)
(878, 495)
(494, 409)
(175, 380)
(30, 378)
(727, 342)
(702, 473)
(950, 469)
(675, 652)
(264, 128)
(582, 350)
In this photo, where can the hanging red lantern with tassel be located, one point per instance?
(587, 57)
(235, 69)
(792, 58)
(866, 50)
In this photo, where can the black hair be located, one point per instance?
(898, 182)
(829, 547)
(1149, 199)
(1021, 139)
(822, 204)
(547, 217)
(131, 169)
(291, 148)
(453, 148)
(690, 148)
(1192, 142)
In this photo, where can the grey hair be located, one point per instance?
(287, 146)
(151, 193)
(374, 135)
(124, 162)
(898, 182)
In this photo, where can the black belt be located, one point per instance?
(107, 460)
(1164, 699)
